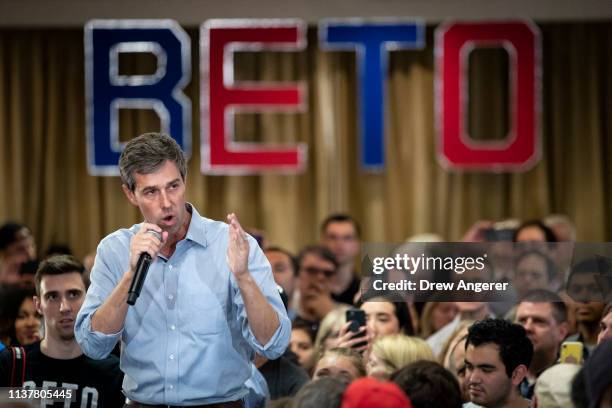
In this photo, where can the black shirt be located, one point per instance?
(284, 378)
(349, 293)
(98, 381)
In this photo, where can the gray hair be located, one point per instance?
(146, 153)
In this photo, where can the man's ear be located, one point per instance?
(518, 375)
(37, 304)
(129, 194)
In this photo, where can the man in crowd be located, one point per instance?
(209, 301)
(341, 234)
(57, 360)
(544, 317)
(533, 270)
(285, 270)
(17, 248)
(317, 268)
(497, 355)
(583, 288)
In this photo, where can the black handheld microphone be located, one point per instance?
(142, 267)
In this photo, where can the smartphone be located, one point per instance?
(357, 318)
(572, 352)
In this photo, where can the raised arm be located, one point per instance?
(263, 319)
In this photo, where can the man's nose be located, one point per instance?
(65, 306)
(165, 200)
(472, 377)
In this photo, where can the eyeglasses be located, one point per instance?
(343, 238)
(311, 270)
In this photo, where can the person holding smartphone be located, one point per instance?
(382, 317)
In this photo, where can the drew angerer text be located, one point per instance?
(423, 284)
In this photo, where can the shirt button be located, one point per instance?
(171, 386)
(172, 327)
(170, 266)
(170, 297)
(171, 356)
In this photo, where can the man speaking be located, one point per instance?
(208, 303)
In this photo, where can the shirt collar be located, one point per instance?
(197, 227)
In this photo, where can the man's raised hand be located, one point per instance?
(238, 248)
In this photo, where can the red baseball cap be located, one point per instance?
(367, 392)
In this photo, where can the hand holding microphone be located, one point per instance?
(144, 248)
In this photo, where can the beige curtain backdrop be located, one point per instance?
(44, 181)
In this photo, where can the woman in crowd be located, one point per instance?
(330, 328)
(534, 231)
(342, 363)
(605, 325)
(390, 353)
(302, 344)
(453, 356)
(385, 317)
(436, 315)
(22, 322)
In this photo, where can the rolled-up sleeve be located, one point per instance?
(97, 345)
(277, 345)
(260, 269)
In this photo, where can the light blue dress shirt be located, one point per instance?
(259, 394)
(187, 340)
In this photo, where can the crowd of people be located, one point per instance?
(241, 325)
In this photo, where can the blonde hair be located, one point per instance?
(426, 321)
(353, 356)
(398, 350)
(453, 340)
(427, 328)
(332, 321)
